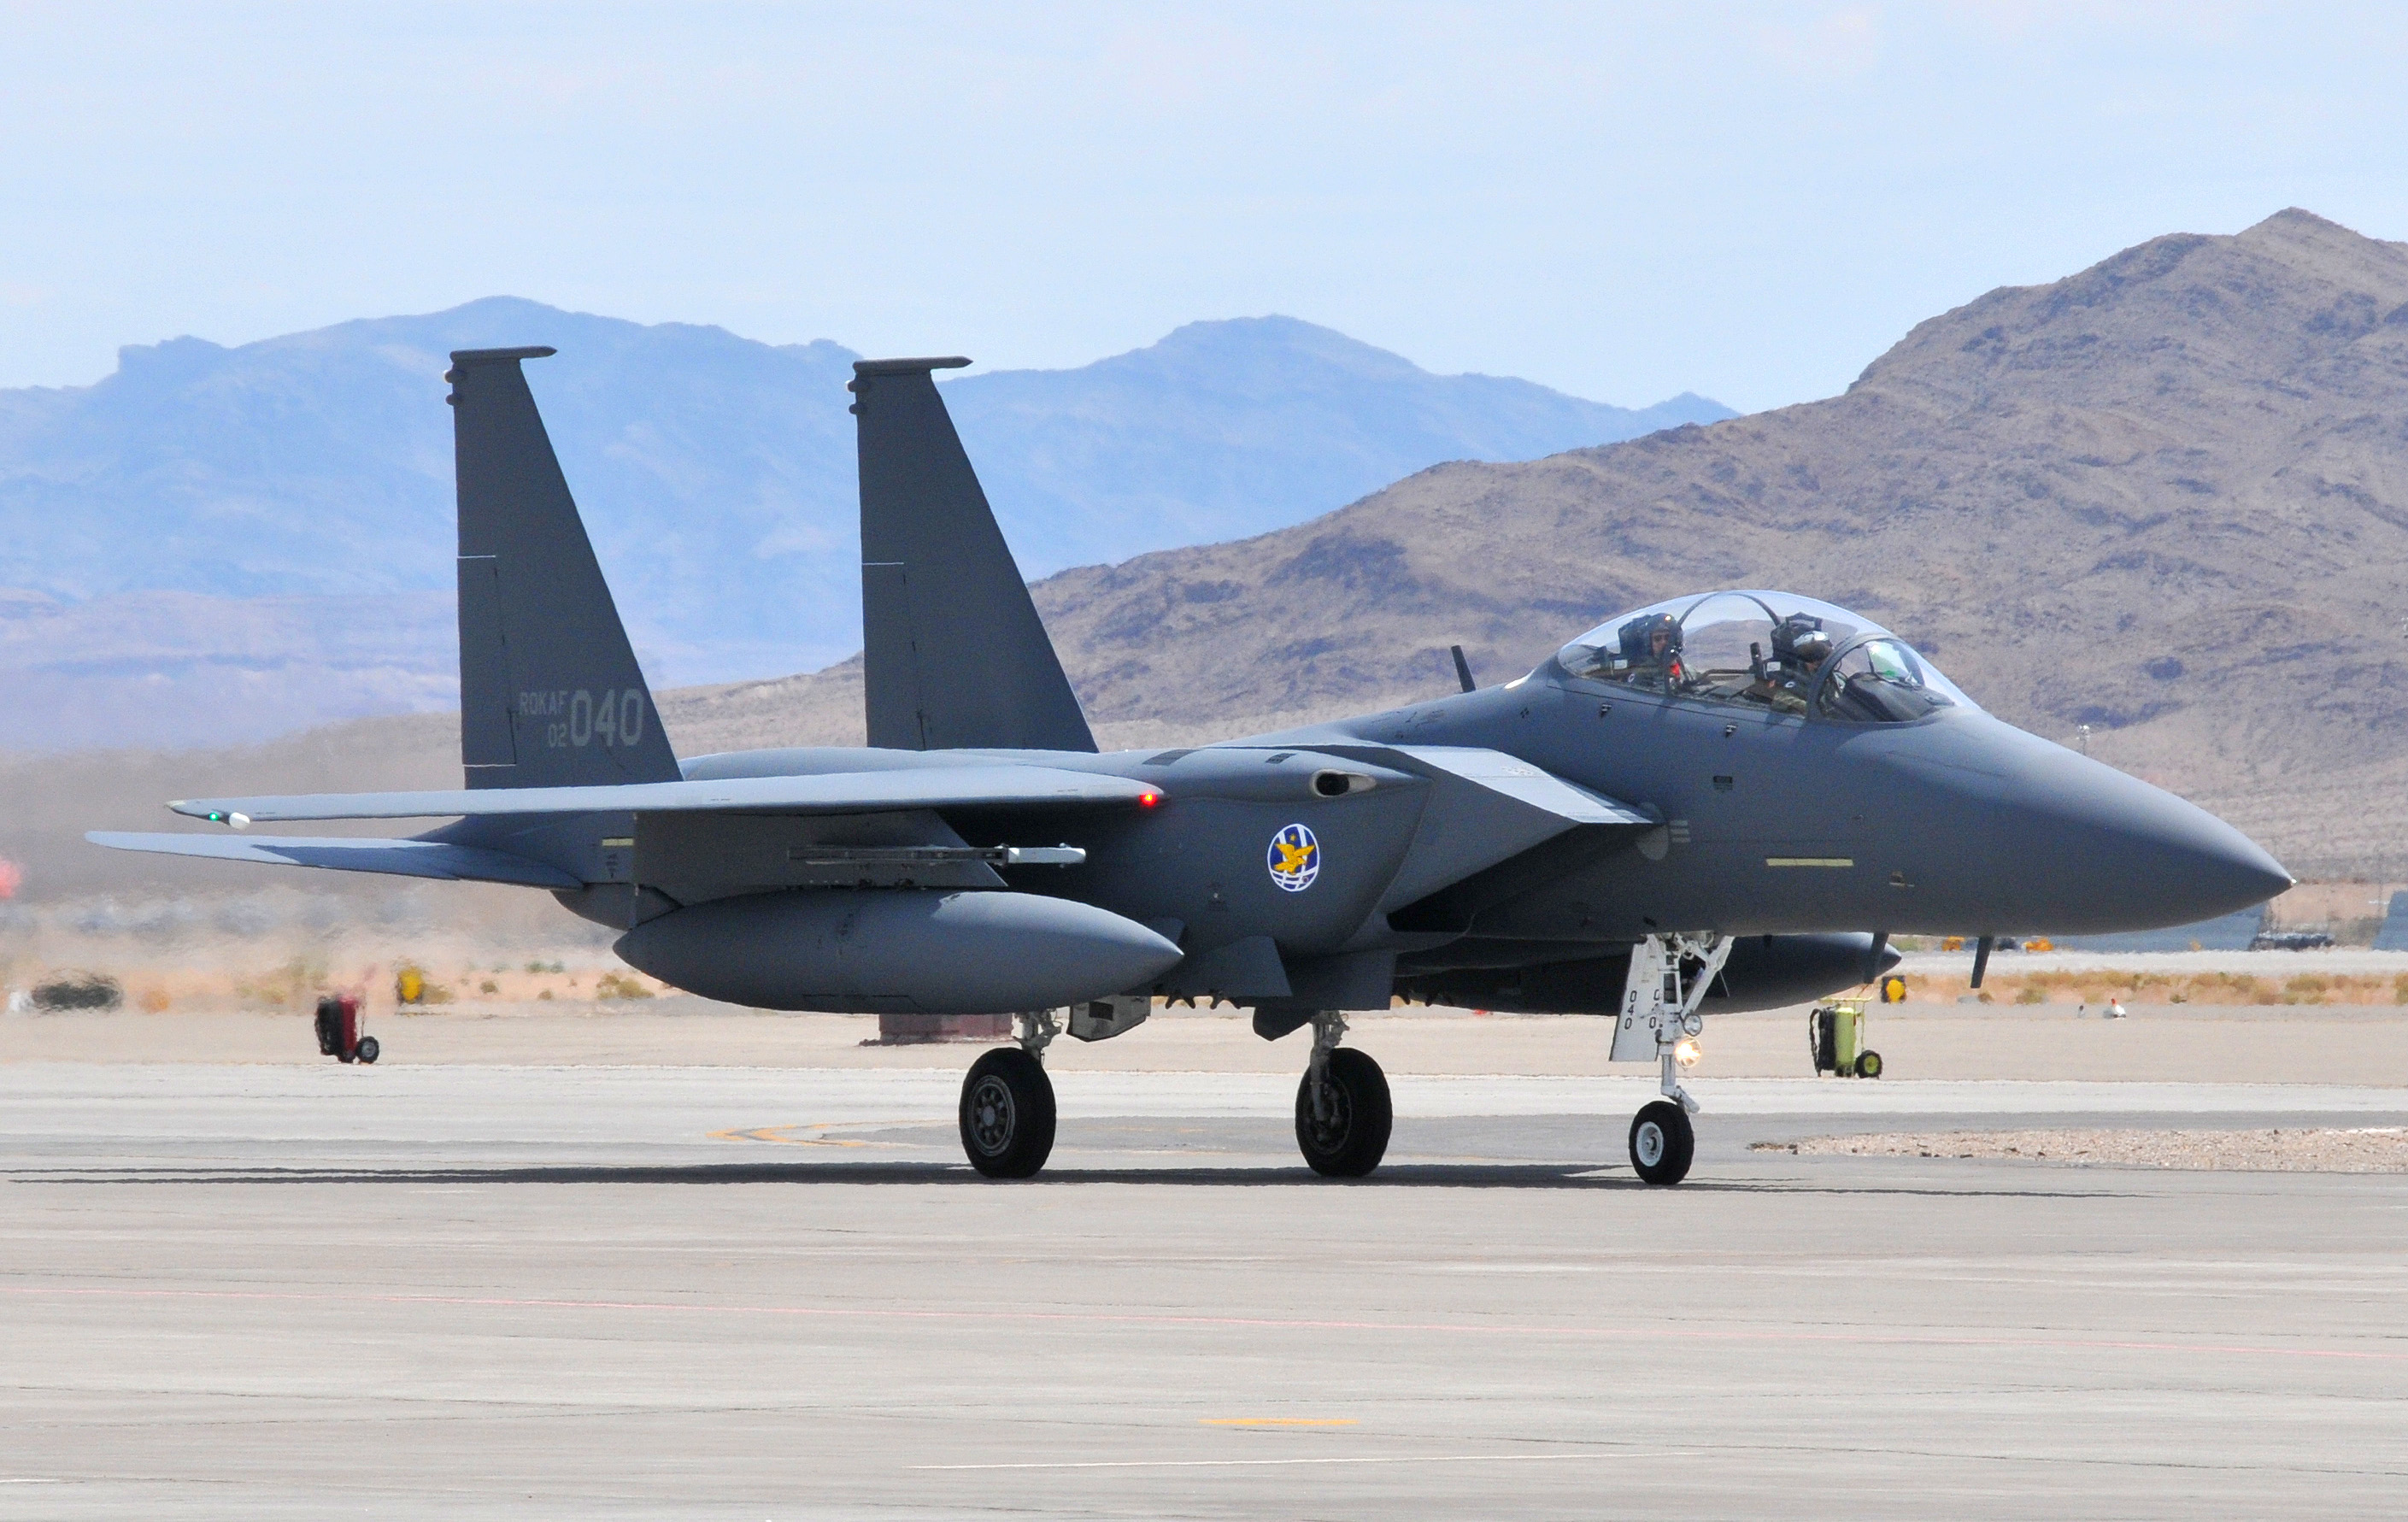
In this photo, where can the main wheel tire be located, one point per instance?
(370, 1049)
(1662, 1142)
(1868, 1065)
(1350, 1135)
(1007, 1114)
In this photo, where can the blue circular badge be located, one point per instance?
(1294, 858)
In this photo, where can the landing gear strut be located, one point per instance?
(1669, 979)
(1342, 1112)
(1006, 1111)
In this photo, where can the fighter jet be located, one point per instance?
(1725, 802)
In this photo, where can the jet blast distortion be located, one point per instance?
(1723, 801)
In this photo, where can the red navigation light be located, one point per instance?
(1149, 799)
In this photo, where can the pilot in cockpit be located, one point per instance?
(1799, 648)
(1650, 653)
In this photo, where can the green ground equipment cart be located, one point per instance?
(1835, 1032)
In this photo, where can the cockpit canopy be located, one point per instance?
(1765, 650)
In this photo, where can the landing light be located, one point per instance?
(1687, 1052)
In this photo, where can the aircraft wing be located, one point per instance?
(847, 792)
(396, 858)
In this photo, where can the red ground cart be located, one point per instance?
(339, 1029)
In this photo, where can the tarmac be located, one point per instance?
(479, 1290)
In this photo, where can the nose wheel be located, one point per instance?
(1662, 1142)
(1342, 1111)
(1007, 1111)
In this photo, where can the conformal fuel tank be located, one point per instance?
(876, 951)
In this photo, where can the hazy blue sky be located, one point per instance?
(1749, 201)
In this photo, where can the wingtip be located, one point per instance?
(201, 809)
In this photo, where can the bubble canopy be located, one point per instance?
(1767, 651)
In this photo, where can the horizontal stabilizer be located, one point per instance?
(847, 792)
(395, 859)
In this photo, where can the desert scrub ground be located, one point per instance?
(2097, 985)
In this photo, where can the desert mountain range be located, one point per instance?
(2166, 497)
(216, 544)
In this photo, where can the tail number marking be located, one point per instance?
(576, 719)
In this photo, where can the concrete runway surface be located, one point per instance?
(645, 1292)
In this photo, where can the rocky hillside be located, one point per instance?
(2166, 497)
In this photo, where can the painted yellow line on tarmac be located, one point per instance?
(784, 1134)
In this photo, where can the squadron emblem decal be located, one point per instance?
(1294, 858)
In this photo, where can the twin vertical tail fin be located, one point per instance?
(550, 692)
(953, 655)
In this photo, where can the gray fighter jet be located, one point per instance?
(1727, 801)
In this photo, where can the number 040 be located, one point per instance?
(617, 719)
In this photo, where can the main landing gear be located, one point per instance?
(1342, 1113)
(1659, 1019)
(1008, 1103)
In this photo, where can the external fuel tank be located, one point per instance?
(879, 951)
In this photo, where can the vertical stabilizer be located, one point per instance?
(550, 692)
(953, 655)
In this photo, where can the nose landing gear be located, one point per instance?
(1669, 979)
(1006, 1111)
(1342, 1111)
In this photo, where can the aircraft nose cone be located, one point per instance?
(2229, 868)
(2137, 857)
(2077, 846)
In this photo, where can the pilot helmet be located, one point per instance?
(1800, 638)
(1637, 636)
